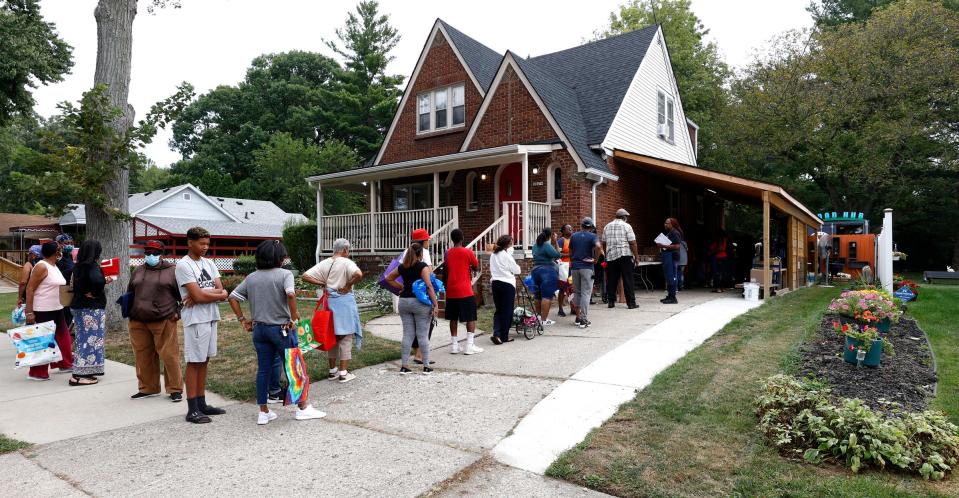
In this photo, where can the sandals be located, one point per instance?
(83, 381)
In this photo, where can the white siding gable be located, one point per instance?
(634, 128)
(196, 207)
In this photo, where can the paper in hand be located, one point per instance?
(663, 240)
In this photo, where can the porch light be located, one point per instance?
(483, 176)
(535, 170)
(364, 183)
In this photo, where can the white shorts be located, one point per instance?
(199, 342)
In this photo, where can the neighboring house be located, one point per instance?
(19, 231)
(236, 226)
(498, 143)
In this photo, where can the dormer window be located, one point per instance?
(441, 109)
(665, 125)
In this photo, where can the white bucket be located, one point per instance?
(751, 291)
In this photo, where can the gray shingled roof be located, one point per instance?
(179, 226)
(482, 60)
(600, 73)
(582, 87)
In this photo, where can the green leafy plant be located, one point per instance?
(244, 265)
(230, 282)
(300, 242)
(865, 334)
(802, 420)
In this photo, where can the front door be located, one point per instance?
(510, 190)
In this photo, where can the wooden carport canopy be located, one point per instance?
(746, 191)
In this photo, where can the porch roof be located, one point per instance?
(730, 185)
(448, 162)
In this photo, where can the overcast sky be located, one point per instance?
(211, 42)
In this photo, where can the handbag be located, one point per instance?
(126, 302)
(66, 295)
(389, 269)
(306, 340)
(298, 387)
(322, 323)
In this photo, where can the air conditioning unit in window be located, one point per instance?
(662, 130)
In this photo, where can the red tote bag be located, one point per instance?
(322, 322)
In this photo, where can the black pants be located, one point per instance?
(616, 269)
(504, 297)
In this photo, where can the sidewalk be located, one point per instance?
(438, 435)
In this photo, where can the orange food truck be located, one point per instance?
(845, 243)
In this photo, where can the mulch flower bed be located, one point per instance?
(906, 379)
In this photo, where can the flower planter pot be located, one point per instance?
(873, 357)
(884, 325)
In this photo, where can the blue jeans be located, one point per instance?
(669, 271)
(269, 342)
(275, 387)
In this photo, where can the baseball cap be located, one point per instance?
(587, 222)
(154, 244)
(622, 212)
(419, 234)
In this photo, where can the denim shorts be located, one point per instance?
(547, 281)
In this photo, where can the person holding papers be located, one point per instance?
(669, 246)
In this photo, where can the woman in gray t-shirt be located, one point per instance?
(273, 307)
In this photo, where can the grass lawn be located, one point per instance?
(935, 310)
(692, 431)
(7, 302)
(232, 372)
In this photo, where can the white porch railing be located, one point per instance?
(539, 218)
(386, 231)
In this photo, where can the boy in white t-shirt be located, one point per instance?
(199, 282)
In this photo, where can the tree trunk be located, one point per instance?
(114, 52)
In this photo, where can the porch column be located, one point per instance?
(373, 201)
(436, 201)
(319, 220)
(767, 277)
(525, 226)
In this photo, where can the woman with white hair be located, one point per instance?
(337, 274)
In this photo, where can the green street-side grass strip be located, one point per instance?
(936, 311)
(692, 431)
(7, 445)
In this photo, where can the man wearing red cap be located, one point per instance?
(153, 317)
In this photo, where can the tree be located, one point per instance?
(699, 70)
(831, 13)
(147, 176)
(30, 52)
(365, 96)
(861, 117)
(219, 132)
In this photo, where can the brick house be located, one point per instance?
(496, 143)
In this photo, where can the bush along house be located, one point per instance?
(498, 143)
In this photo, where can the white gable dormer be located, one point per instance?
(650, 121)
(185, 201)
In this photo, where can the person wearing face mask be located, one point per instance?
(65, 264)
(33, 256)
(154, 312)
(503, 270)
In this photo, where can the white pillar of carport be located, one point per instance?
(524, 230)
(319, 220)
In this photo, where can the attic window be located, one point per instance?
(186, 196)
(441, 109)
(665, 124)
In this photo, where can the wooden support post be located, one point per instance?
(767, 276)
(319, 220)
(373, 203)
(436, 201)
(524, 229)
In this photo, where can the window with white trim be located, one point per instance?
(441, 109)
(472, 188)
(412, 196)
(674, 201)
(554, 184)
(665, 121)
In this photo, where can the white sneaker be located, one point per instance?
(265, 417)
(473, 349)
(548, 322)
(346, 378)
(308, 413)
(456, 349)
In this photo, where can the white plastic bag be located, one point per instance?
(19, 315)
(35, 344)
(563, 271)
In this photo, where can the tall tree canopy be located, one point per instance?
(861, 117)
(366, 96)
(329, 117)
(831, 13)
(30, 52)
(699, 70)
